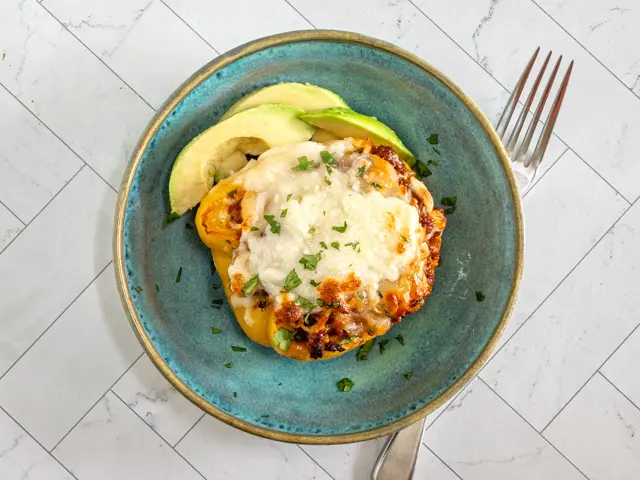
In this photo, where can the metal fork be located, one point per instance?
(397, 461)
(525, 163)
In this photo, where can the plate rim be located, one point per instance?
(125, 189)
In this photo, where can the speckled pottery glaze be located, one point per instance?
(445, 343)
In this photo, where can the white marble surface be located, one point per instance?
(558, 401)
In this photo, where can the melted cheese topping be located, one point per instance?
(382, 235)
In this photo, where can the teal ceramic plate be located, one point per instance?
(445, 343)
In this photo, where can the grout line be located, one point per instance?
(532, 427)
(589, 379)
(585, 49)
(14, 214)
(556, 287)
(41, 446)
(175, 445)
(95, 403)
(40, 121)
(314, 460)
(619, 391)
(499, 83)
(299, 13)
(154, 431)
(190, 27)
(92, 53)
(55, 319)
(545, 172)
(443, 462)
(602, 178)
(41, 210)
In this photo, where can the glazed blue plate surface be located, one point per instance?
(445, 342)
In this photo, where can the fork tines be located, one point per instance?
(511, 141)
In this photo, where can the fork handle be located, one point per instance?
(397, 461)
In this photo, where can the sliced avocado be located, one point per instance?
(344, 123)
(304, 96)
(219, 150)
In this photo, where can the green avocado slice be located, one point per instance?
(344, 122)
(306, 97)
(220, 150)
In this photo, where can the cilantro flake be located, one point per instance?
(238, 349)
(292, 281)
(274, 224)
(303, 164)
(479, 296)
(251, 284)
(433, 139)
(310, 262)
(341, 229)
(215, 330)
(283, 339)
(345, 384)
(363, 353)
(336, 245)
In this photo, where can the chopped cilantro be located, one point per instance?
(251, 284)
(361, 171)
(328, 158)
(436, 150)
(329, 170)
(449, 202)
(363, 353)
(327, 181)
(172, 217)
(232, 193)
(283, 339)
(179, 276)
(255, 229)
(289, 196)
(323, 245)
(408, 375)
(138, 289)
(433, 139)
(361, 295)
(275, 225)
(400, 339)
(320, 302)
(344, 341)
(238, 349)
(292, 281)
(345, 385)
(376, 185)
(303, 164)
(217, 303)
(336, 245)
(304, 303)
(228, 365)
(314, 283)
(386, 312)
(379, 293)
(404, 238)
(352, 244)
(157, 287)
(310, 262)
(479, 296)
(341, 229)
(235, 394)
(312, 230)
(283, 213)
(383, 345)
(215, 330)
(228, 241)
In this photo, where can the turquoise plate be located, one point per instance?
(445, 343)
